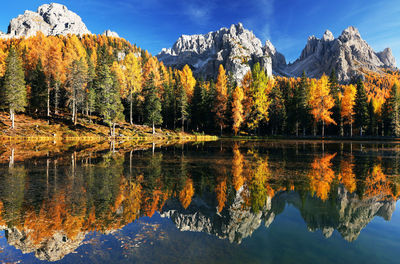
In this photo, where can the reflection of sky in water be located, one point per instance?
(301, 227)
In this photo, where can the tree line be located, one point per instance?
(115, 81)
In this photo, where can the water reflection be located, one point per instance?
(49, 203)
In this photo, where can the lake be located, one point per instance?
(204, 202)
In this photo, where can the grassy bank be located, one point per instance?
(60, 128)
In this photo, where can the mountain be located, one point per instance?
(349, 55)
(236, 48)
(51, 19)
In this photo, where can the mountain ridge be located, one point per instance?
(236, 48)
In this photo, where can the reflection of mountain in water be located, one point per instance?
(346, 213)
(48, 205)
(52, 249)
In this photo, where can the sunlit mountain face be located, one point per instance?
(216, 199)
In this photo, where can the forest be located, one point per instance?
(82, 77)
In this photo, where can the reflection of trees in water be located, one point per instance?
(231, 190)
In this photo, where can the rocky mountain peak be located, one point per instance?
(349, 55)
(51, 19)
(387, 58)
(236, 48)
(328, 36)
(350, 33)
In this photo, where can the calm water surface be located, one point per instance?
(214, 202)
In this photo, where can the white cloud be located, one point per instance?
(199, 11)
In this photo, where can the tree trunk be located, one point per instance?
(323, 128)
(315, 129)
(131, 109)
(11, 163)
(154, 129)
(48, 98)
(56, 99)
(304, 131)
(183, 124)
(351, 129)
(12, 118)
(297, 128)
(113, 130)
(74, 112)
(341, 127)
(383, 128)
(221, 130)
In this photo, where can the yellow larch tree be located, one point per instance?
(347, 109)
(134, 80)
(237, 109)
(321, 102)
(188, 81)
(220, 102)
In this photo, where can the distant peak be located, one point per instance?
(109, 33)
(235, 29)
(328, 36)
(351, 32)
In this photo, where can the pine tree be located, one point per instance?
(76, 83)
(182, 105)
(394, 106)
(38, 96)
(278, 111)
(304, 109)
(108, 100)
(14, 85)
(361, 108)
(196, 109)
(152, 103)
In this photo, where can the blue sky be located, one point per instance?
(154, 24)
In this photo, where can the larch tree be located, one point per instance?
(54, 69)
(261, 87)
(220, 100)
(15, 99)
(133, 75)
(347, 109)
(321, 102)
(188, 81)
(237, 109)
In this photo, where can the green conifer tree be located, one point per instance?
(152, 103)
(394, 109)
(361, 108)
(38, 96)
(108, 99)
(15, 99)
